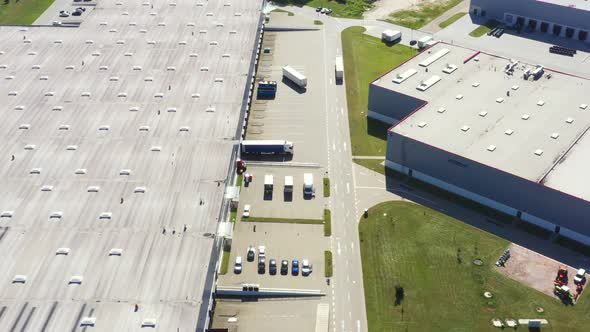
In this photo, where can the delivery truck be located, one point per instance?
(308, 184)
(266, 147)
(339, 69)
(294, 76)
(266, 89)
(424, 42)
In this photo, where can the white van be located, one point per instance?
(238, 265)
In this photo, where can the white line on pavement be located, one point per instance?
(352, 245)
(344, 146)
(334, 146)
(358, 325)
(347, 188)
(338, 248)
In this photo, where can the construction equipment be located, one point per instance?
(561, 278)
(502, 260)
(563, 292)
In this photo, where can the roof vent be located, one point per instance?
(62, 251)
(204, 68)
(142, 30)
(87, 321)
(238, 14)
(58, 41)
(116, 252)
(93, 189)
(184, 129)
(139, 190)
(80, 171)
(569, 120)
(30, 147)
(49, 94)
(583, 106)
(95, 53)
(63, 127)
(475, 84)
(225, 55)
(209, 14)
(515, 87)
(144, 128)
(202, 31)
(182, 42)
(76, 280)
(134, 109)
(9, 77)
(491, 148)
(210, 109)
(104, 127)
(35, 171)
(36, 67)
(72, 147)
(132, 24)
(122, 95)
(24, 126)
(171, 109)
(465, 128)
(500, 100)
(156, 148)
(3, 66)
(120, 42)
(113, 30)
(128, 54)
(151, 42)
(114, 78)
(399, 78)
(103, 68)
(196, 95)
(449, 68)
(159, 95)
(233, 32)
(459, 97)
(170, 68)
(538, 152)
(483, 113)
(56, 215)
(422, 124)
(540, 103)
(555, 135)
(105, 215)
(13, 93)
(70, 67)
(104, 23)
(44, 78)
(190, 24)
(219, 25)
(162, 24)
(218, 80)
(509, 132)
(125, 171)
(19, 108)
(6, 214)
(136, 67)
(193, 55)
(148, 322)
(47, 188)
(85, 94)
(148, 79)
(525, 116)
(90, 41)
(19, 279)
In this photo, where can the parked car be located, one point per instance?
(246, 212)
(319, 9)
(261, 251)
(284, 267)
(251, 254)
(306, 267)
(238, 265)
(77, 13)
(261, 265)
(272, 266)
(64, 13)
(295, 267)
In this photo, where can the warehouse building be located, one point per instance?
(565, 18)
(474, 128)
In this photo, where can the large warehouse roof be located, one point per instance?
(579, 4)
(478, 111)
(112, 133)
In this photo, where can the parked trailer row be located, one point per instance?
(266, 147)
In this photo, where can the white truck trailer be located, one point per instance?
(390, 36)
(308, 184)
(339, 68)
(268, 183)
(288, 184)
(294, 76)
(424, 41)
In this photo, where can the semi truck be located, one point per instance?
(339, 68)
(294, 76)
(308, 184)
(424, 41)
(266, 147)
(390, 36)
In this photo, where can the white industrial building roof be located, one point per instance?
(578, 4)
(87, 193)
(524, 127)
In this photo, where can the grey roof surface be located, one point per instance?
(579, 4)
(487, 120)
(112, 118)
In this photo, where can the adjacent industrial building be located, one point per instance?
(565, 18)
(117, 141)
(509, 135)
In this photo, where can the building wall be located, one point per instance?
(391, 104)
(538, 204)
(539, 10)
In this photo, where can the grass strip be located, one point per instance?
(451, 20)
(422, 14)
(326, 187)
(225, 260)
(328, 263)
(284, 220)
(327, 222)
(483, 29)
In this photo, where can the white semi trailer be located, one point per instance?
(294, 76)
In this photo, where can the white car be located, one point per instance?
(238, 265)
(64, 13)
(261, 251)
(306, 267)
(246, 212)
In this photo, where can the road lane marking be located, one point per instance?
(358, 325)
(352, 245)
(339, 248)
(334, 146)
(348, 296)
(342, 111)
(347, 188)
(344, 146)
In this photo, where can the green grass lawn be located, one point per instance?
(365, 59)
(225, 260)
(372, 164)
(318, 22)
(422, 14)
(326, 187)
(347, 9)
(451, 20)
(327, 222)
(233, 216)
(483, 29)
(328, 263)
(23, 12)
(419, 276)
(278, 10)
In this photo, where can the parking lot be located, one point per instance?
(295, 115)
(282, 241)
(280, 204)
(54, 12)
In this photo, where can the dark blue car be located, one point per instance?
(295, 267)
